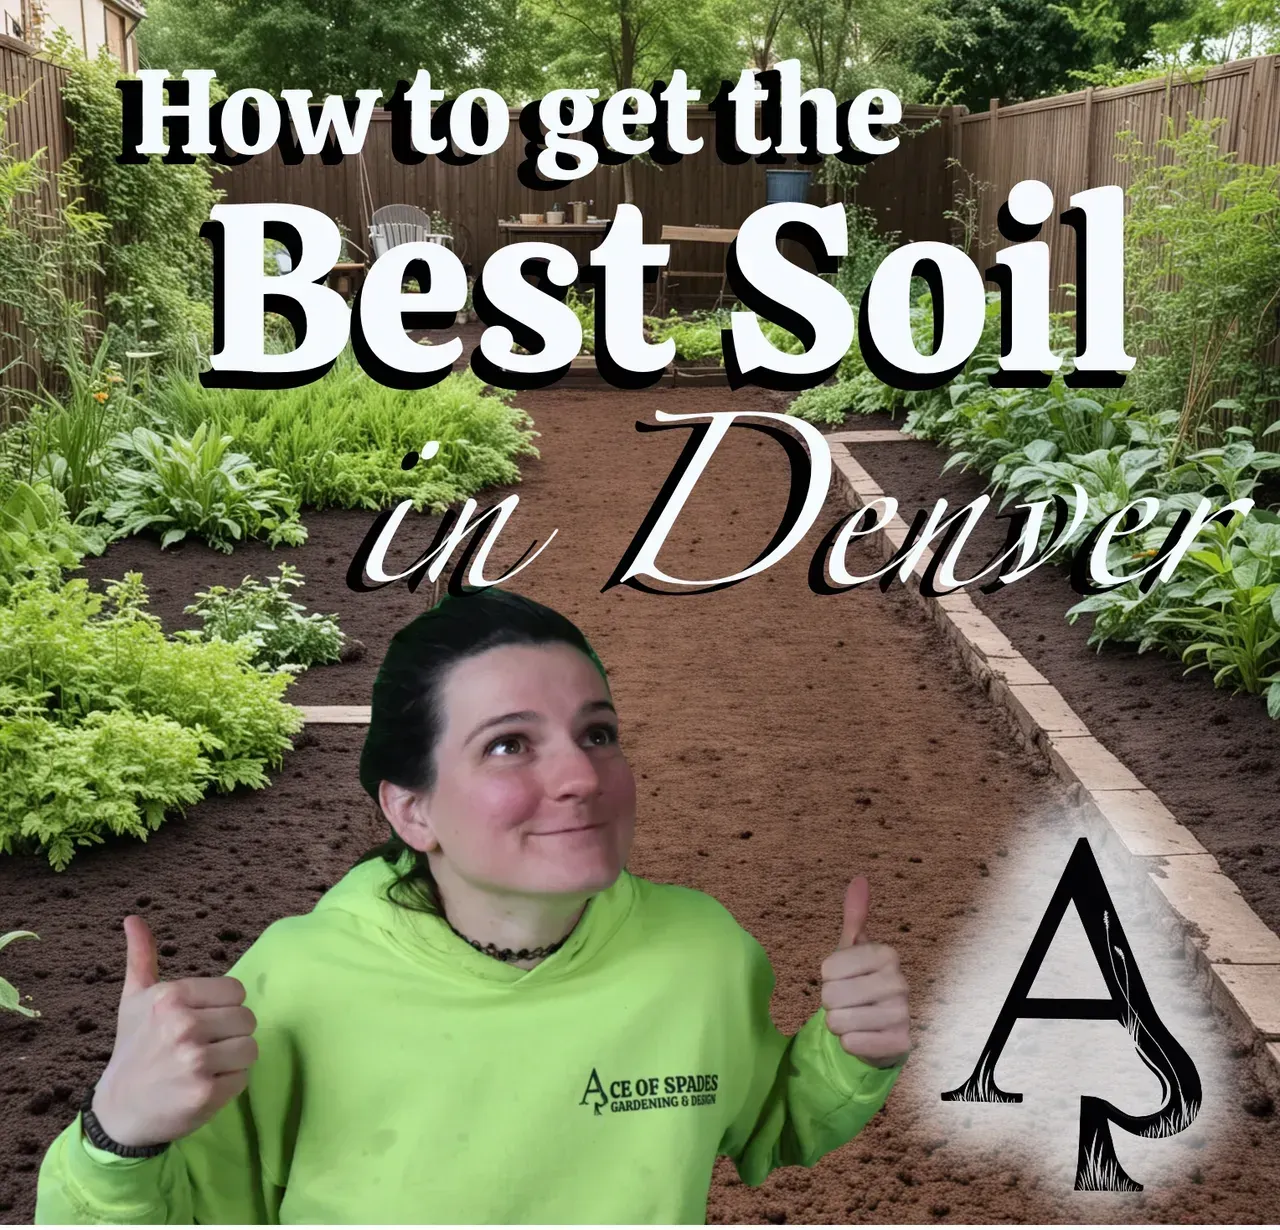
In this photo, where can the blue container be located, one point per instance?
(786, 185)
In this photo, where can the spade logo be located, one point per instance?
(1097, 1167)
(594, 1089)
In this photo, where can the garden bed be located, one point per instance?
(781, 743)
(1213, 758)
(175, 574)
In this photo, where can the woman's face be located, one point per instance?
(532, 792)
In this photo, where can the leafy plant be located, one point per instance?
(48, 244)
(698, 335)
(1202, 271)
(36, 539)
(116, 772)
(867, 247)
(9, 997)
(199, 486)
(74, 653)
(342, 440)
(282, 634)
(68, 437)
(825, 403)
(584, 308)
(1229, 470)
(1221, 612)
(1232, 616)
(159, 272)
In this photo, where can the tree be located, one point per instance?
(1215, 31)
(760, 24)
(336, 47)
(615, 45)
(1020, 49)
(847, 46)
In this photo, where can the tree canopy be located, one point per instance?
(1020, 49)
(336, 47)
(966, 51)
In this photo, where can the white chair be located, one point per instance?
(393, 225)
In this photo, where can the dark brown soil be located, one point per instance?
(1212, 757)
(782, 742)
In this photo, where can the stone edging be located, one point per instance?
(1235, 954)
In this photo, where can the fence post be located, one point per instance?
(954, 149)
(1088, 137)
(993, 110)
(1255, 108)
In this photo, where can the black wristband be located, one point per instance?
(100, 1140)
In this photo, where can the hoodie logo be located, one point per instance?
(649, 1092)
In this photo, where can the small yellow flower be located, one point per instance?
(112, 378)
(100, 397)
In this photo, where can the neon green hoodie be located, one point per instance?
(404, 1077)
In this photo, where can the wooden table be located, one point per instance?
(507, 229)
(508, 232)
(346, 276)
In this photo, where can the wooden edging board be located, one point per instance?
(1235, 954)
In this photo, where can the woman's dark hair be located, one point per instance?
(406, 716)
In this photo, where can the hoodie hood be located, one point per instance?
(361, 895)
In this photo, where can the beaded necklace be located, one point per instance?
(508, 954)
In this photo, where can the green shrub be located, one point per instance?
(584, 308)
(9, 997)
(698, 336)
(36, 539)
(281, 633)
(199, 486)
(825, 403)
(48, 244)
(76, 653)
(1222, 611)
(867, 247)
(1202, 273)
(115, 772)
(342, 439)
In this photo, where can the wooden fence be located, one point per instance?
(1071, 142)
(34, 124)
(697, 190)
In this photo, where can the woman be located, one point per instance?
(488, 1019)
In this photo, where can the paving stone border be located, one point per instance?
(1235, 955)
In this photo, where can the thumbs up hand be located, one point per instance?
(863, 989)
(182, 1051)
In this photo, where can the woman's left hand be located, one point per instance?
(863, 989)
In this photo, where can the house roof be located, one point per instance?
(132, 7)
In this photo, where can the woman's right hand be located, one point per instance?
(183, 1050)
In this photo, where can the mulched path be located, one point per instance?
(1213, 758)
(782, 742)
